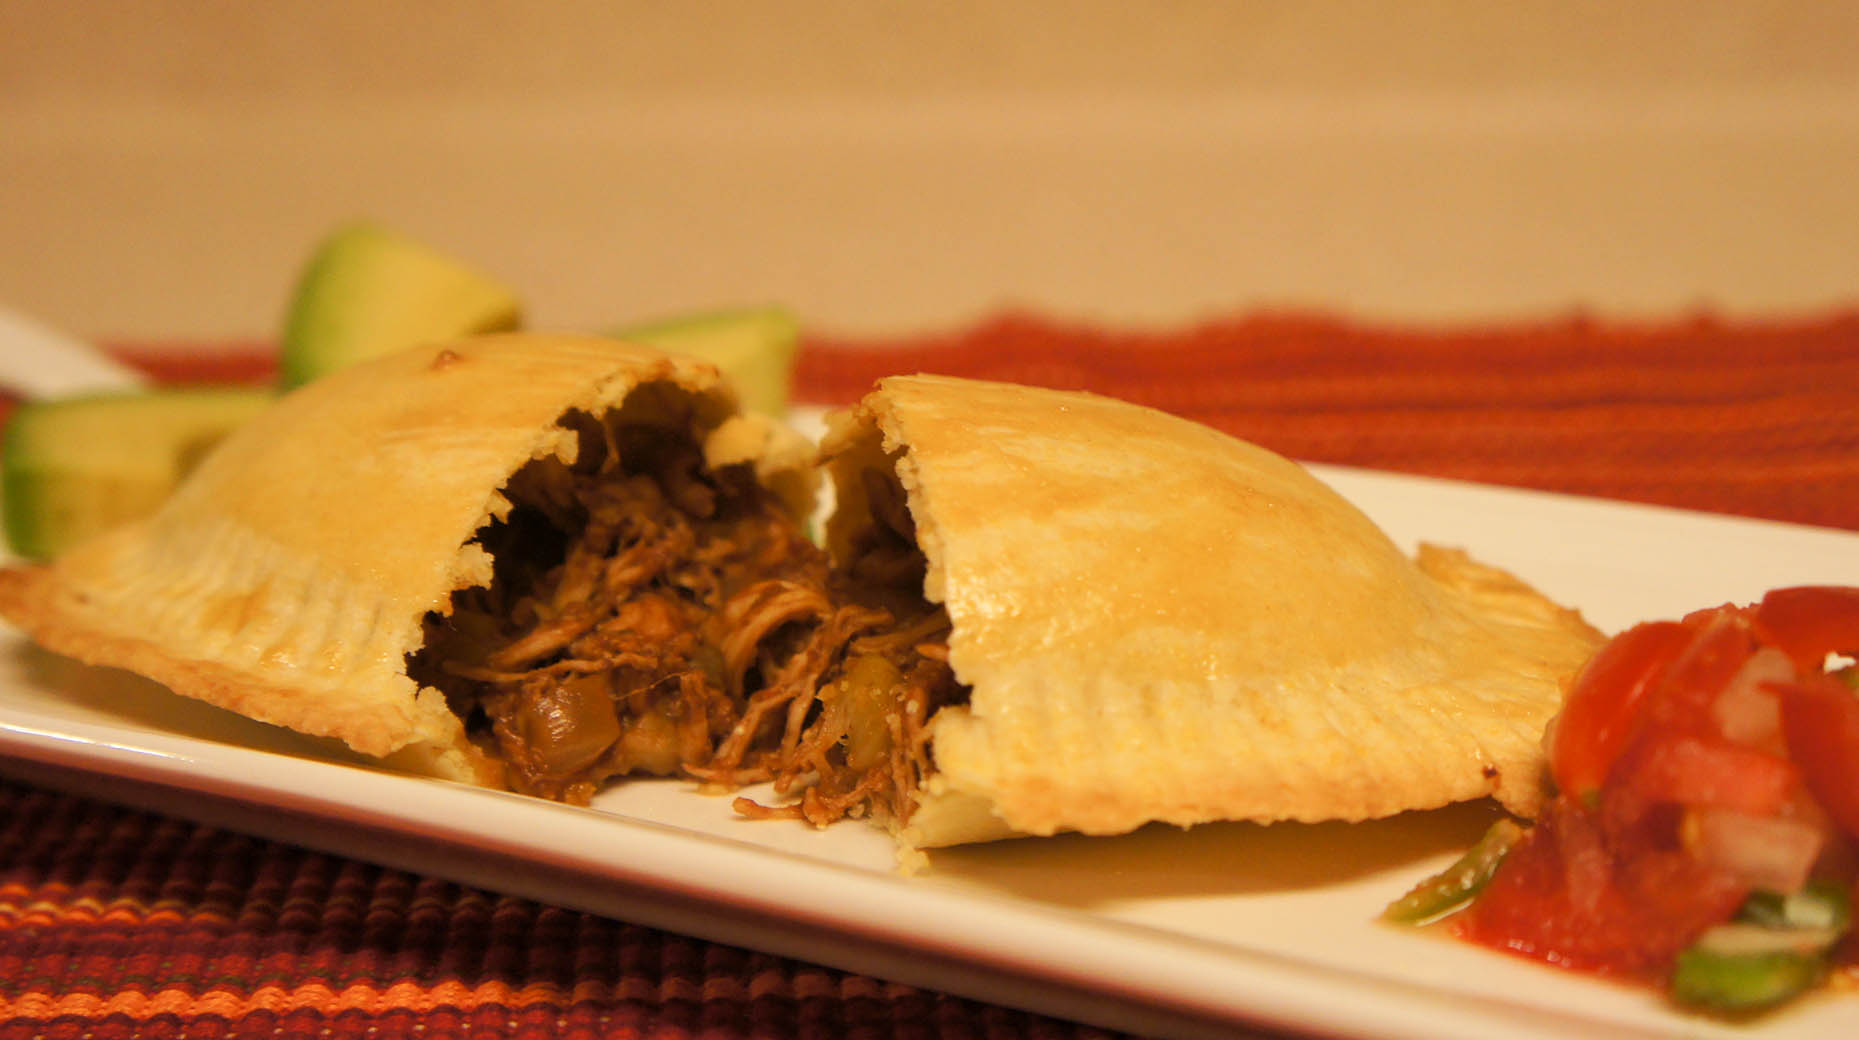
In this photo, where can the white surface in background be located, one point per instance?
(37, 360)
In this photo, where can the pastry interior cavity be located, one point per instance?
(652, 614)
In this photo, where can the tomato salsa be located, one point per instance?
(1704, 831)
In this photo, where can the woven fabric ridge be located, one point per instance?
(119, 923)
(1754, 418)
(115, 923)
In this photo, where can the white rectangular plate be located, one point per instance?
(1162, 931)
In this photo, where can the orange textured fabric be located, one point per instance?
(1760, 419)
(117, 923)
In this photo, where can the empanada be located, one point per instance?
(1156, 621)
(543, 562)
(297, 573)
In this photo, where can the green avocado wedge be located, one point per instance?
(753, 346)
(76, 466)
(369, 291)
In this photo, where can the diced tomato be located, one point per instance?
(1810, 622)
(1571, 895)
(1695, 759)
(1674, 769)
(1820, 716)
(1603, 705)
(1707, 774)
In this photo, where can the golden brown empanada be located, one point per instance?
(294, 572)
(544, 562)
(1157, 621)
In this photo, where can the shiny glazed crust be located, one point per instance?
(1162, 623)
(288, 577)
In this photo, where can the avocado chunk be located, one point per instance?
(368, 291)
(754, 347)
(75, 466)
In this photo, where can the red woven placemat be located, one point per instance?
(116, 923)
(1755, 418)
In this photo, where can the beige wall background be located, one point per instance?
(166, 165)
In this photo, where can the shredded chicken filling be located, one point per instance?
(648, 615)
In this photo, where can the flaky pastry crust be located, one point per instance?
(1160, 622)
(288, 577)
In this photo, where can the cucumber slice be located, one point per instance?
(754, 347)
(73, 467)
(368, 291)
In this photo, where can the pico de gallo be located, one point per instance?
(1703, 835)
